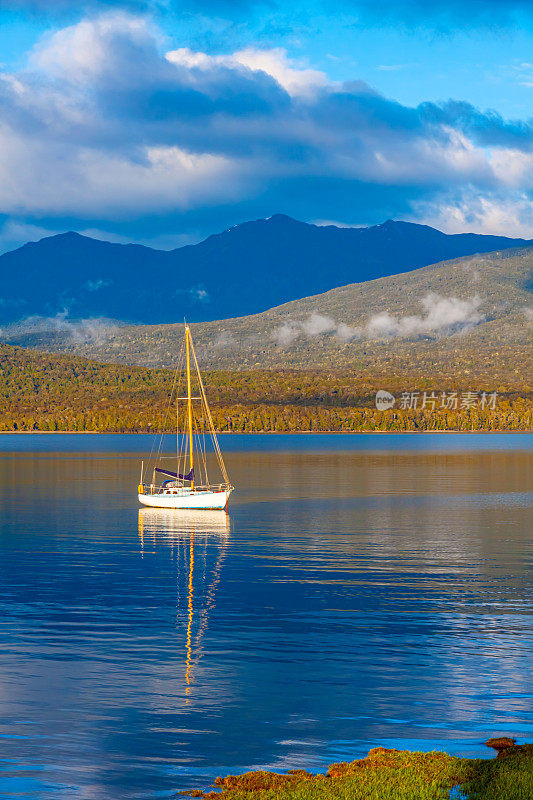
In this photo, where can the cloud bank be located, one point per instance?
(81, 331)
(442, 316)
(105, 125)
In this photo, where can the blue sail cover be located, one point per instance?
(188, 477)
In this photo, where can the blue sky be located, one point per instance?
(162, 122)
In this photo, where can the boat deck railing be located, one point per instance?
(151, 489)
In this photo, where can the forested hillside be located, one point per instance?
(42, 392)
(467, 322)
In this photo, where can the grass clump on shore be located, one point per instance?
(508, 777)
(392, 775)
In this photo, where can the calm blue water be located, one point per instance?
(362, 590)
(285, 442)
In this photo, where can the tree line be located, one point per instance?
(43, 392)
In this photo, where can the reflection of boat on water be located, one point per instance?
(165, 521)
(188, 486)
(198, 546)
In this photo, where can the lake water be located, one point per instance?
(362, 590)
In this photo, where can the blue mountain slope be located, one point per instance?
(244, 270)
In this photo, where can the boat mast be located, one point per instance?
(189, 401)
(208, 414)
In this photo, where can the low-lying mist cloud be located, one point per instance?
(317, 324)
(286, 333)
(197, 294)
(442, 316)
(314, 325)
(472, 268)
(94, 330)
(224, 340)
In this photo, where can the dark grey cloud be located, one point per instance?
(485, 128)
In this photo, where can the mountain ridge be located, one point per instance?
(464, 319)
(246, 269)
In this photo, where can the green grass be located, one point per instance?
(392, 775)
(506, 778)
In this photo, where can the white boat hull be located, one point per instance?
(190, 500)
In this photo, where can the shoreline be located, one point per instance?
(386, 774)
(269, 433)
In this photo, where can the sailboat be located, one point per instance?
(188, 486)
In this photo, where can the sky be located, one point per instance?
(161, 122)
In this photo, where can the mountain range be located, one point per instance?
(464, 322)
(245, 270)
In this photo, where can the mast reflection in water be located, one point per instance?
(198, 545)
(141, 655)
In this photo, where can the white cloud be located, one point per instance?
(80, 51)
(317, 324)
(522, 72)
(199, 294)
(105, 126)
(346, 332)
(285, 334)
(94, 329)
(446, 313)
(296, 80)
(512, 167)
(42, 177)
(381, 325)
(493, 213)
(442, 316)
